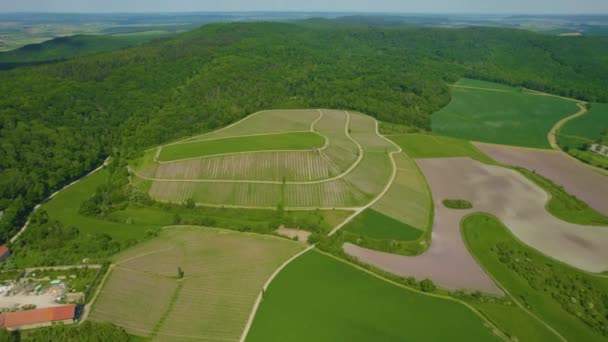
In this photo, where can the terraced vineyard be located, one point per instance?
(351, 168)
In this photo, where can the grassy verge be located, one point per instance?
(565, 206)
(572, 302)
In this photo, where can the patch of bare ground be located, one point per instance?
(578, 180)
(508, 195)
(292, 233)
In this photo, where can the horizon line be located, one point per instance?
(397, 13)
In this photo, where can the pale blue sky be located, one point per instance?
(405, 6)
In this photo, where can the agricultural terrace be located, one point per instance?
(337, 302)
(223, 272)
(570, 301)
(408, 200)
(487, 112)
(270, 142)
(351, 169)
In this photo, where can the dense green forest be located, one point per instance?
(68, 47)
(60, 120)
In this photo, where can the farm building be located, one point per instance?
(29, 318)
(4, 253)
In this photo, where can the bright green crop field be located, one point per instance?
(285, 141)
(571, 301)
(376, 225)
(500, 115)
(318, 298)
(590, 125)
(434, 146)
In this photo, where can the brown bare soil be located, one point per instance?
(578, 180)
(515, 200)
(291, 233)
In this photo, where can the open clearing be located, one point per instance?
(351, 169)
(223, 274)
(271, 142)
(578, 180)
(500, 115)
(328, 300)
(518, 202)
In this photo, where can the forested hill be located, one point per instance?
(58, 121)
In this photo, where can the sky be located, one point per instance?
(402, 6)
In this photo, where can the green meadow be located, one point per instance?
(318, 298)
(501, 115)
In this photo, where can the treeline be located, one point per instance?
(58, 121)
(86, 332)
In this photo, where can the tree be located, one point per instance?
(427, 285)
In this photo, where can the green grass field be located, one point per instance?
(376, 225)
(433, 146)
(562, 296)
(508, 116)
(328, 300)
(590, 125)
(65, 206)
(565, 206)
(223, 274)
(284, 141)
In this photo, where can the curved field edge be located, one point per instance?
(563, 205)
(508, 115)
(223, 272)
(242, 144)
(355, 187)
(344, 302)
(541, 286)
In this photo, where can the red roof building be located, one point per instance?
(37, 316)
(4, 252)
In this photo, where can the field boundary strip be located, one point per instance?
(254, 310)
(495, 328)
(547, 325)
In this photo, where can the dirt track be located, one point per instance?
(515, 200)
(578, 180)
